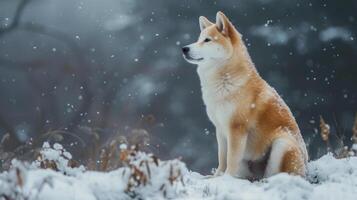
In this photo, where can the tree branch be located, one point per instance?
(16, 19)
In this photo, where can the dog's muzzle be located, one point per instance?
(187, 56)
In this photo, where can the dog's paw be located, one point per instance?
(218, 173)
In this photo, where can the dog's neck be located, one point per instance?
(228, 76)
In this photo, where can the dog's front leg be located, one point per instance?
(237, 139)
(222, 152)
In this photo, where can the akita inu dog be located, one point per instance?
(256, 132)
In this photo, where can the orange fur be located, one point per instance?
(292, 163)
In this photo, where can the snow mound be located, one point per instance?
(328, 178)
(281, 186)
(53, 177)
(143, 176)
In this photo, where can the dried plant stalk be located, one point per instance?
(140, 171)
(354, 131)
(104, 160)
(325, 132)
(19, 178)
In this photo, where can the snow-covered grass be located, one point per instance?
(143, 176)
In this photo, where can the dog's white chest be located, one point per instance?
(214, 93)
(219, 112)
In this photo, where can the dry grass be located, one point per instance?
(342, 151)
(96, 151)
(140, 171)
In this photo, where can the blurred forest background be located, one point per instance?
(83, 72)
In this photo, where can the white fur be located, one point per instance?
(243, 170)
(222, 152)
(279, 147)
(235, 156)
(213, 93)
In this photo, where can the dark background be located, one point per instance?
(114, 67)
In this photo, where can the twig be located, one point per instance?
(17, 17)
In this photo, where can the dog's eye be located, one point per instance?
(207, 40)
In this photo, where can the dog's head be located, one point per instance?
(215, 43)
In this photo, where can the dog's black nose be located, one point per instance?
(185, 50)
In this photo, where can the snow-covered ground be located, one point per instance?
(145, 177)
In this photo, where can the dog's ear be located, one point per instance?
(223, 24)
(204, 22)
